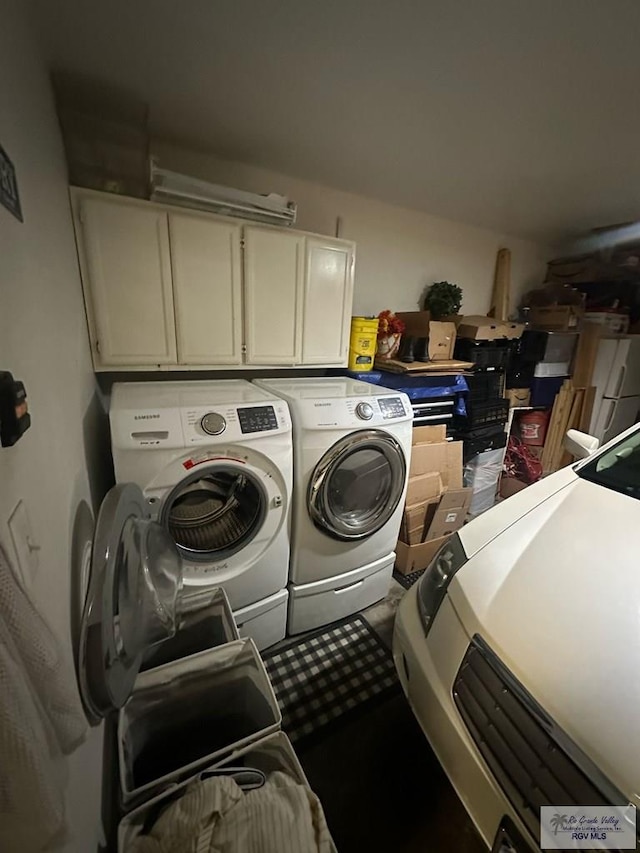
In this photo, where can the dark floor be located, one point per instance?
(383, 789)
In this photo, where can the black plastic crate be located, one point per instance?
(483, 414)
(478, 441)
(485, 355)
(485, 386)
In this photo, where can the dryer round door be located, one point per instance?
(357, 485)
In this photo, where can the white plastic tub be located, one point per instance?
(268, 754)
(191, 713)
(551, 368)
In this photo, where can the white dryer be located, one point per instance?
(352, 447)
(214, 461)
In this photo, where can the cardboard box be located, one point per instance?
(518, 397)
(442, 335)
(479, 328)
(423, 487)
(429, 434)
(557, 318)
(412, 558)
(442, 340)
(414, 517)
(416, 323)
(444, 457)
(450, 514)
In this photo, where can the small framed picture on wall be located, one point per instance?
(9, 195)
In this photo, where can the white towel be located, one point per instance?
(41, 720)
(215, 816)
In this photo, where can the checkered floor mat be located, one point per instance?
(407, 581)
(322, 677)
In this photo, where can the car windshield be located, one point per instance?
(618, 468)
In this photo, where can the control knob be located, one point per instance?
(213, 423)
(364, 411)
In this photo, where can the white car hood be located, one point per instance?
(556, 595)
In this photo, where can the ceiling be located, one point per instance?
(518, 115)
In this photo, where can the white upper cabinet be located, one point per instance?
(172, 289)
(127, 283)
(328, 295)
(273, 289)
(207, 289)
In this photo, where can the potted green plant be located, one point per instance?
(443, 299)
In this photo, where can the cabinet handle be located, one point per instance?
(97, 346)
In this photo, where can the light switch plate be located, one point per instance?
(24, 544)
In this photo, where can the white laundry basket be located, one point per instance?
(190, 713)
(268, 754)
(206, 621)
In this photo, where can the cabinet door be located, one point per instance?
(328, 297)
(127, 278)
(273, 279)
(205, 262)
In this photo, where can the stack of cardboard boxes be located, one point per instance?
(436, 504)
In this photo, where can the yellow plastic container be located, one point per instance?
(362, 343)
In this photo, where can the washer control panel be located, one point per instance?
(391, 407)
(213, 423)
(257, 419)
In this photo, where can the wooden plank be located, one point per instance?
(585, 355)
(547, 451)
(558, 405)
(441, 366)
(587, 409)
(501, 286)
(557, 426)
(563, 457)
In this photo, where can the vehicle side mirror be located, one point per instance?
(580, 444)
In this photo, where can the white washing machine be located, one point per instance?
(214, 461)
(352, 448)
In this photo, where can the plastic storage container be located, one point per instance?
(191, 713)
(551, 368)
(482, 439)
(484, 414)
(484, 355)
(485, 386)
(268, 754)
(537, 345)
(544, 390)
(362, 343)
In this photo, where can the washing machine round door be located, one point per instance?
(215, 513)
(133, 599)
(357, 485)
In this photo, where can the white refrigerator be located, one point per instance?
(616, 377)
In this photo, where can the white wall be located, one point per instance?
(399, 251)
(43, 341)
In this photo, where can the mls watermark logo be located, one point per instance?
(588, 827)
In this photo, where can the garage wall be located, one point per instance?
(399, 250)
(43, 341)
